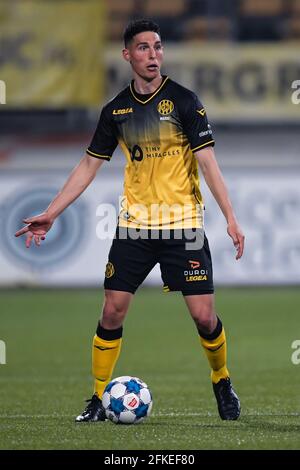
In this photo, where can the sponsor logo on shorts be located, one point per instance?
(110, 270)
(195, 274)
(194, 264)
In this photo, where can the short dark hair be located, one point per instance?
(139, 26)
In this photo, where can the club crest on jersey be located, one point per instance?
(165, 107)
(123, 111)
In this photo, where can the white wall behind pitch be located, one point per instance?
(266, 201)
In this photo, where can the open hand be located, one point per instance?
(36, 228)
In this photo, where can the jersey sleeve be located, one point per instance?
(195, 124)
(104, 141)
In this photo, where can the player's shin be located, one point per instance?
(106, 350)
(214, 345)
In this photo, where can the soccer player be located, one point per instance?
(163, 131)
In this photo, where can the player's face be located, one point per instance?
(145, 54)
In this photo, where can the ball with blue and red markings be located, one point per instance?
(127, 400)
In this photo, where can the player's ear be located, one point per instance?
(126, 54)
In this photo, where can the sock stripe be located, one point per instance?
(215, 349)
(102, 348)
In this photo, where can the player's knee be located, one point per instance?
(205, 319)
(113, 314)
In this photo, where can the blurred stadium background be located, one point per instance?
(60, 61)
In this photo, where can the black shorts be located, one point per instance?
(131, 259)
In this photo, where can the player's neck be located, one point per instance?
(144, 87)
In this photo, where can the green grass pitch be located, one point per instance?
(47, 375)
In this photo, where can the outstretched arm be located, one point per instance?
(215, 181)
(80, 178)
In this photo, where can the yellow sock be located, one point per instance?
(104, 357)
(215, 350)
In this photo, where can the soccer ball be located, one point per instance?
(127, 400)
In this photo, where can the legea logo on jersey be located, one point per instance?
(123, 111)
(165, 107)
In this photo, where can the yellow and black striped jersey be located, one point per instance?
(158, 134)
